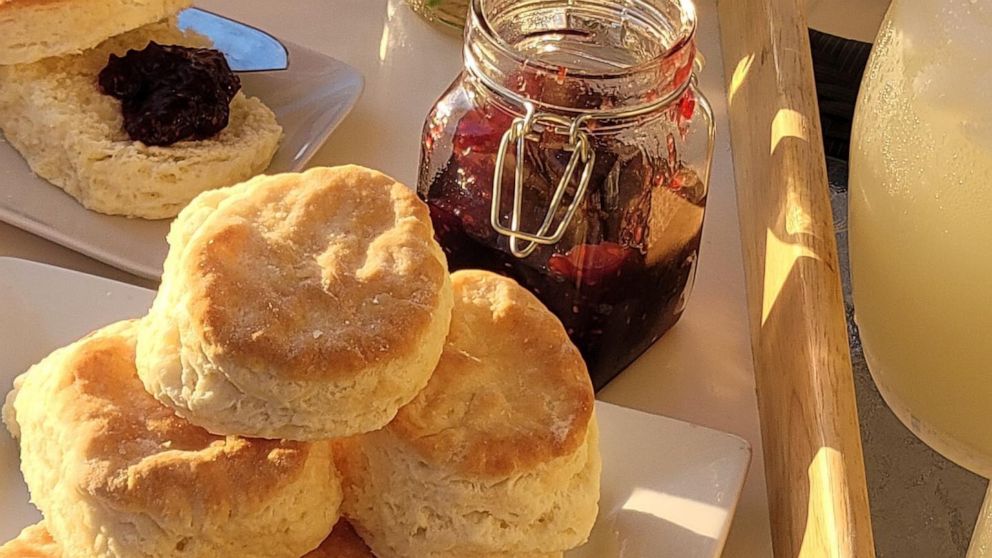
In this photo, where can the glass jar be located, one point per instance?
(573, 153)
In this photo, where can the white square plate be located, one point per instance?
(669, 488)
(309, 99)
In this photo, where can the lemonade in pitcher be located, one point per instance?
(921, 222)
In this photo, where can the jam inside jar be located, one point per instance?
(572, 153)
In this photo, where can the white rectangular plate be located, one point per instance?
(669, 488)
(309, 99)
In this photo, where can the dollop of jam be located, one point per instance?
(171, 93)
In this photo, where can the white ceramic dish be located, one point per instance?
(669, 488)
(309, 99)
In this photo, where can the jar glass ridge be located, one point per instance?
(634, 51)
(588, 114)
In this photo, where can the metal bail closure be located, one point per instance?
(578, 146)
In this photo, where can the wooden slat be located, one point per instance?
(814, 465)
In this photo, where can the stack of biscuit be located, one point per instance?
(308, 357)
(70, 133)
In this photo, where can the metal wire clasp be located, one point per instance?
(578, 145)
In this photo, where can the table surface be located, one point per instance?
(701, 371)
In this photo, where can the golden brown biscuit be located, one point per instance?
(298, 306)
(73, 135)
(498, 455)
(34, 542)
(116, 473)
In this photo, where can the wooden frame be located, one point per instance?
(817, 493)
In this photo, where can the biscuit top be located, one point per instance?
(122, 446)
(32, 31)
(313, 275)
(34, 542)
(511, 391)
(343, 542)
(91, 61)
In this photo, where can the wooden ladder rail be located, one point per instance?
(817, 492)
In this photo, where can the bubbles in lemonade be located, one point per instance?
(921, 222)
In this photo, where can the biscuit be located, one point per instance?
(498, 455)
(7, 414)
(72, 135)
(36, 542)
(117, 474)
(298, 306)
(32, 29)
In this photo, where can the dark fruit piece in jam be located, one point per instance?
(687, 105)
(481, 130)
(590, 264)
(171, 93)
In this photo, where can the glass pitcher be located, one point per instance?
(921, 222)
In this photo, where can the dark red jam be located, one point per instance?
(171, 93)
(620, 277)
